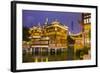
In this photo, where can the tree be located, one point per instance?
(70, 40)
(26, 34)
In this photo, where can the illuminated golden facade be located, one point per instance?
(50, 36)
(57, 34)
(78, 45)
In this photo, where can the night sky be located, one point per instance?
(71, 19)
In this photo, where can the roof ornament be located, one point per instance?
(39, 25)
(56, 20)
(46, 22)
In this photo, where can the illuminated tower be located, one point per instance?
(86, 19)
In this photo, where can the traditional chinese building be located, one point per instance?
(86, 19)
(78, 45)
(57, 34)
(50, 37)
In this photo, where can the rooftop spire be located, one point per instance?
(39, 25)
(56, 20)
(46, 22)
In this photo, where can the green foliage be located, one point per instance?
(26, 34)
(70, 40)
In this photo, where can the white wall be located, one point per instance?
(5, 36)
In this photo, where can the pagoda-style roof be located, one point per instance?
(77, 34)
(57, 24)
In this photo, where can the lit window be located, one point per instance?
(89, 20)
(84, 21)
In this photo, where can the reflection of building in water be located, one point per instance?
(50, 37)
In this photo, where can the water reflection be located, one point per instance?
(44, 55)
(50, 54)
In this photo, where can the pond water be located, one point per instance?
(48, 55)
